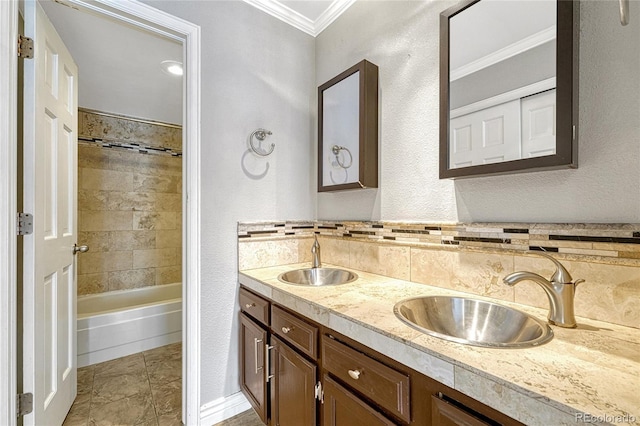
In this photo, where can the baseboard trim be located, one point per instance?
(223, 408)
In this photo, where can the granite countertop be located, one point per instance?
(586, 375)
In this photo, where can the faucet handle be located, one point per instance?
(561, 275)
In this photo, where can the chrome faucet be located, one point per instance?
(560, 291)
(315, 253)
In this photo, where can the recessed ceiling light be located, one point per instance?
(172, 67)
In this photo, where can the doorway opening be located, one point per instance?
(144, 17)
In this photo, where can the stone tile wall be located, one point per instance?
(605, 256)
(129, 205)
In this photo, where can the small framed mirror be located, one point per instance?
(348, 130)
(508, 87)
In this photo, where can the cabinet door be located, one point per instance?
(293, 401)
(447, 414)
(342, 408)
(252, 354)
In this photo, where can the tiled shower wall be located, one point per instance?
(129, 203)
(473, 258)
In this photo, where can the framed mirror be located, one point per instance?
(508, 87)
(348, 130)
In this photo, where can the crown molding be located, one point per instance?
(299, 21)
(337, 8)
(507, 52)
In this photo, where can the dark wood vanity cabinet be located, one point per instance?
(293, 385)
(386, 387)
(341, 407)
(298, 373)
(278, 362)
(393, 392)
(448, 413)
(252, 362)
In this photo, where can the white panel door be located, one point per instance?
(539, 124)
(50, 194)
(486, 136)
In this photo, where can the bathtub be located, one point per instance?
(120, 323)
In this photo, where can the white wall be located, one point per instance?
(402, 39)
(256, 72)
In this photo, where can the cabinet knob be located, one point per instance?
(355, 374)
(249, 305)
(285, 330)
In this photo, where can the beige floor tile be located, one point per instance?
(165, 371)
(167, 397)
(85, 380)
(79, 413)
(248, 418)
(127, 364)
(163, 353)
(118, 392)
(133, 410)
(173, 419)
(108, 388)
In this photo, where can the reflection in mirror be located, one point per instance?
(340, 129)
(348, 130)
(507, 89)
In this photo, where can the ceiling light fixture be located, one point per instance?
(172, 67)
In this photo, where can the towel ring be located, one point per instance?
(336, 151)
(260, 134)
(624, 12)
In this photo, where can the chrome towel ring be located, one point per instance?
(261, 134)
(336, 151)
(624, 12)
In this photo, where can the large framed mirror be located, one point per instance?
(348, 129)
(508, 87)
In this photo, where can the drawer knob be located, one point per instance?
(285, 330)
(249, 305)
(354, 374)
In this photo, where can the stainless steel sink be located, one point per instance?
(473, 322)
(318, 276)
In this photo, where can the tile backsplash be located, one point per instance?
(473, 258)
(129, 203)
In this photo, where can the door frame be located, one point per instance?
(150, 19)
(8, 207)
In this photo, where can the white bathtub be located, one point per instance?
(119, 323)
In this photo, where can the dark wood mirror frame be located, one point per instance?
(566, 156)
(368, 127)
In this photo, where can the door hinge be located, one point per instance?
(25, 47)
(25, 223)
(319, 393)
(24, 403)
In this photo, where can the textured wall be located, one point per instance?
(256, 72)
(402, 39)
(129, 206)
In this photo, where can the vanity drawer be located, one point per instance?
(254, 305)
(380, 383)
(295, 331)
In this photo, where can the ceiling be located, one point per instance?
(119, 65)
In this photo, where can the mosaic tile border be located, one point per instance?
(130, 146)
(608, 241)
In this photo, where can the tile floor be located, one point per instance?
(139, 389)
(247, 418)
